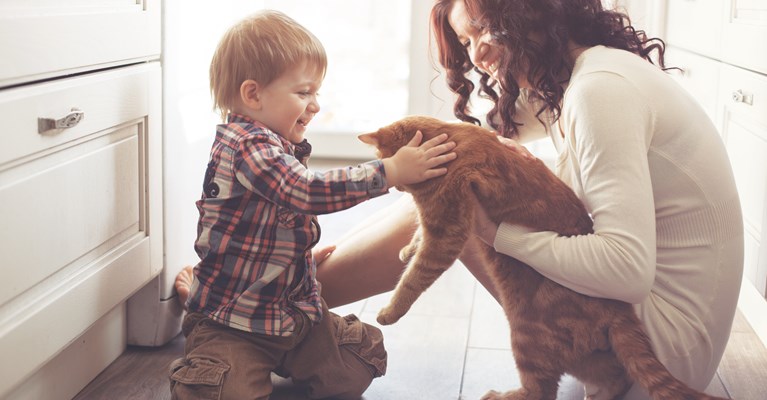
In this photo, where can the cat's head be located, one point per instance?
(391, 138)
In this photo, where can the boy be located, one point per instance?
(255, 306)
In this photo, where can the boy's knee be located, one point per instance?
(347, 384)
(197, 378)
(344, 364)
(364, 342)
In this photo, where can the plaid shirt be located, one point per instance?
(257, 227)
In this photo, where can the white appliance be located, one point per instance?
(190, 34)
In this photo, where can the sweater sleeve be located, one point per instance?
(608, 127)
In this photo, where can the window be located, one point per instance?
(379, 69)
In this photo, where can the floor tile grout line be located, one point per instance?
(468, 339)
(718, 376)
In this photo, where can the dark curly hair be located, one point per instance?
(511, 23)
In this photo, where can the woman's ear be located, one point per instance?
(250, 94)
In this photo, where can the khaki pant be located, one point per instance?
(337, 358)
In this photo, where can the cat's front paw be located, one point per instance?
(388, 316)
(406, 253)
(492, 395)
(518, 394)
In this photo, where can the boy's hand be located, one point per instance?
(322, 254)
(416, 162)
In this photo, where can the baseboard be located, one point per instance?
(753, 306)
(79, 363)
(153, 321)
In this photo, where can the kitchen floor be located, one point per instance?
(453, 344)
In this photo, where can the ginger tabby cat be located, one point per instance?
(554, 329)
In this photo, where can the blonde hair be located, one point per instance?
(260, 47)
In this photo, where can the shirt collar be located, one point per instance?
(301, 150)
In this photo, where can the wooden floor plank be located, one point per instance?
(743, 369)
(139, 373)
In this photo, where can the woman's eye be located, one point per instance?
(466, 44)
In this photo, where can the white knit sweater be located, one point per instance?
(654, 174)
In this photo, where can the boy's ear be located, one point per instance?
(249, 94)
(369, 138)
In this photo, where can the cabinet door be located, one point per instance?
(40, 39)
(743, 120)
(745, 34)
(695, 25)
(646, 15)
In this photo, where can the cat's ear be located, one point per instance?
(369, 138)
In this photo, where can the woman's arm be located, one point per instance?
(608, 127)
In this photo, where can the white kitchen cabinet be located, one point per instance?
(80, 183)
(721, 46)
(743, 123)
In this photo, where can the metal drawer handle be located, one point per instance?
(746, 98)
(68, 121)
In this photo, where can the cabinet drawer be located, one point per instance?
(696, 25)
(48, 38)
(698, 76)
(106, 99)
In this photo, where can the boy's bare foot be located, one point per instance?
(183, 284)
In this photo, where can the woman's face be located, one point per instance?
(484, 52)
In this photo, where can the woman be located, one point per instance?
(640, 153)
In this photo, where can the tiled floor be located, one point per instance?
(453, 344)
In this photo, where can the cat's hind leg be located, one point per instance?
(539, 389)
(603, 376)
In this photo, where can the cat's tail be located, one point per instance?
(632, 347)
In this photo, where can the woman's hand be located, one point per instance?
(417, 162)
(484, 228)
(515, 146)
